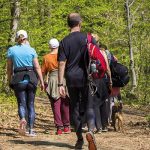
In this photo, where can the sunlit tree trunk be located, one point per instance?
(129, 27)
(15, 15)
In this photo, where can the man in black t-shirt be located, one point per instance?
(72, 55)
(71, 50)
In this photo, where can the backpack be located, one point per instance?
(97, 65)
(119, 72)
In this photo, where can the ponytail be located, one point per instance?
(20, 39)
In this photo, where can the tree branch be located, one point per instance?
(136, 10)
(131, 3)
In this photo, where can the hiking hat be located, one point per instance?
(53, 43)
(22, 32)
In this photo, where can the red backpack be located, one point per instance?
(97, 65)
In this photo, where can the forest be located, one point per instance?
(123, 25)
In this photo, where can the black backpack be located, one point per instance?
(119, 73)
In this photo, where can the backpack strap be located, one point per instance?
(89, 41)
(89, 38)
(92, 86)
(92, 51)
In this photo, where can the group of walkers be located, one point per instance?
(63, 75)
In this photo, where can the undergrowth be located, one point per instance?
(4, 99)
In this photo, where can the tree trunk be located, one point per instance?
(15, 15)
(132, 66)
(43, 10)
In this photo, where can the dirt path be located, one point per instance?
(136, 136)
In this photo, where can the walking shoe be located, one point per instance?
(79, 144)
(85, 129)
(105, 129)
(91, 140)
(67, 130)
(59, 131)
(31, 133)
(99, 131)
(27, 131)
(22, 128)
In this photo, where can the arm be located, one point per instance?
(115, 58)
(9, 69)
(39, 72)
(61, 70)
(45, 73)
(108, 72)
(44, 69)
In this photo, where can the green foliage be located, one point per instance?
(44, 19)
(11, 100)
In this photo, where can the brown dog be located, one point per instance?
(117, 117)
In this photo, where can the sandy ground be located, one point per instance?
(136, 136)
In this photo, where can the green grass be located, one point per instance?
(4, 99)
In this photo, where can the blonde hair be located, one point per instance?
(96, 37)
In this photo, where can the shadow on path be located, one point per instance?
(134, 112)
(42, 143)
(8, 132)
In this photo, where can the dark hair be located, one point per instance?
(73, 20)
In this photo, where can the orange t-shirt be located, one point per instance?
(50, 63)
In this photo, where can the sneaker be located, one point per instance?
(85, 129)
(27, 131)
(22, 128)
(67, 130)
(79, 144)
(105, 129)
(99, 131)
(91, 140)
(31, 133)
(59, 131)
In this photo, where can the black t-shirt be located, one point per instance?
(73, 49)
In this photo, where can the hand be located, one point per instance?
(42, 86)
(62, 91)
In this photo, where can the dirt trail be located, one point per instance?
(136, 136)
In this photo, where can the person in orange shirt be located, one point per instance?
(60, 105)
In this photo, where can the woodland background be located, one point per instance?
(123, 25)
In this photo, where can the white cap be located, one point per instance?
(53, 43)
(22, 32)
